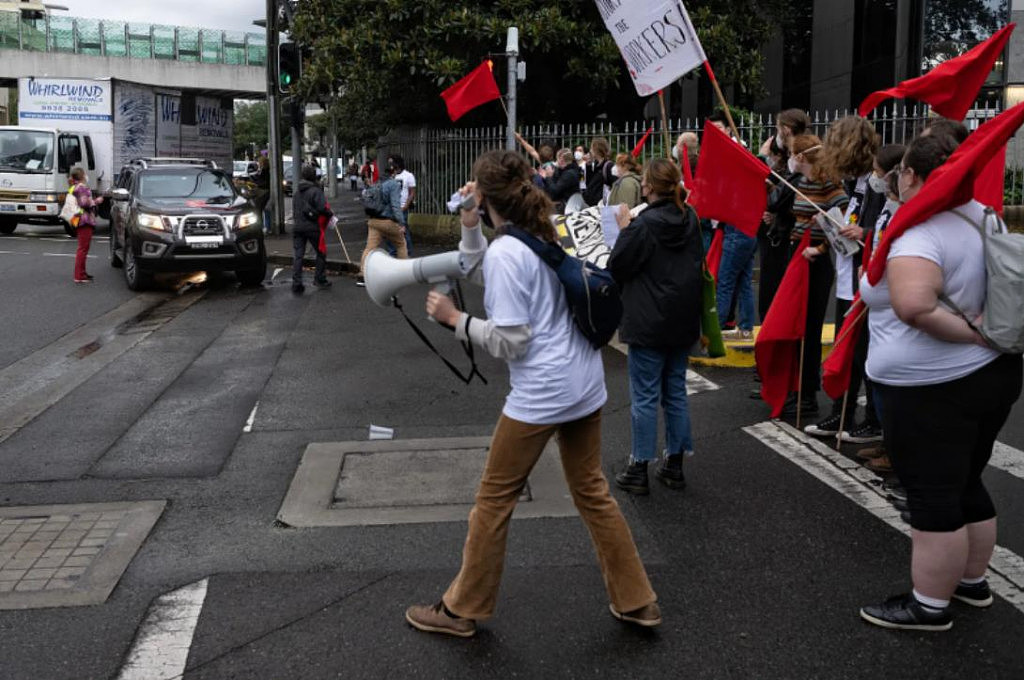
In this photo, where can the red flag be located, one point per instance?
(714, 256)
(643, 140)
(952, 86)
(730, 183)
(777, 347)
(839, 363)
(687, 175)
(475, 89)
(950, 185)
(988, 187)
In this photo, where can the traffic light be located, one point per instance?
(289, 66)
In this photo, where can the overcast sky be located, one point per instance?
(226, 15)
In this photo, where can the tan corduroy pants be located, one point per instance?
(515, 449)
(379, 232)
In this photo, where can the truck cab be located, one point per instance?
(34, 168)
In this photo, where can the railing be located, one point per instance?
(442, 159)
(93, 37)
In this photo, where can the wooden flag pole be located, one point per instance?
(664, 124)
(736, 134)
(842, 421)
(800, 383)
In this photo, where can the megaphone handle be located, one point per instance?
(444, 288)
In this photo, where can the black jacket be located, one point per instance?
(780, 204)
(564, 183)
(308, 204)
(657, 264)
(598, 175)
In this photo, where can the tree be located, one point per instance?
(951, 27)
(388, 60)
(250, 127)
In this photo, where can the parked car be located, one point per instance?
(183, 215)
(244, 169)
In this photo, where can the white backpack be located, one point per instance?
(71, 208)
(1003, 315)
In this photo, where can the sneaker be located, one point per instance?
(808, 406)
(670, 472)
(323, 285)
(896, 493)
(866, 433)
(647, 616)
(904, 612)
(880, 464)
(974, 594)
(634, 478)
(828, 427)
(90, 277)
(738, 334)
(89, 280)
(434, 619)
(361, 282)
(298, 288)
(871, 452)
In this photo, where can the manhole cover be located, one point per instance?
(68, 555)
(409, 481)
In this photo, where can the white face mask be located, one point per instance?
(878, 184)
(778, 141)
(578, 156)
(792, 165)
(615, 171)
(675, 152)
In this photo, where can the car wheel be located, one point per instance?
(115, 260)
(8, 226)
(133, 274)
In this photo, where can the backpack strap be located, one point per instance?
(945, 299)
(552, 255)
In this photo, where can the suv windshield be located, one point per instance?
(26, 151)
(204, 186)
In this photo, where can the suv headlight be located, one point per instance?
(247, 220)
(154, 222)
(42, 198)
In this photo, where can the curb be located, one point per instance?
(333, 266)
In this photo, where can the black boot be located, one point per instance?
(670, 472)
(808, 405)
(634, 478)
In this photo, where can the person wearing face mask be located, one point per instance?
(657, 263)
(773, 237)
(562, 180)
(86, 221)
(848, 155)
(626, 189)
(944, 395)
(388, 229)
(819, 192)
(580, 156)
(788, 124)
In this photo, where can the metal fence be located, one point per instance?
(93, 37)
(442, 159)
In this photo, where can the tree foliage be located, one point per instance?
(952, 27)
(250, 127)
(381, 63)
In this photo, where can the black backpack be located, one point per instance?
(591, 292)
(596, 181)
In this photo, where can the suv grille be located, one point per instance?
(211, 225)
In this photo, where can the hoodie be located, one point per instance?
(657, 263)
(308, 205)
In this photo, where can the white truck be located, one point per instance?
(99, 125)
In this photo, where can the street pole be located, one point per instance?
(333, 161)
(512, 50)
(274, 123)
(298, 118)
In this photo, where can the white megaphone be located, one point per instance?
(386, 275)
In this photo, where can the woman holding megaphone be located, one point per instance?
(558, 387)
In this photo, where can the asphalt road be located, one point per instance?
(760, 564)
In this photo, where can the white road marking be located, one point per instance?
(277, 271)
(14, 252)
(161, 646)
(91, 257)
(1006, 570)
(251, 419)
(1008, 459)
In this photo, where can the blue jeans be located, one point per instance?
(734, 277)
(658, 375)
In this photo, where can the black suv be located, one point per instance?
(183, 215)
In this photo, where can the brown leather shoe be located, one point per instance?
(871, 452)
(647, 616)
(432, 619)
(880, 464)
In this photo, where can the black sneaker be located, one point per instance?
(323, 284)
(974, 594)
(808, 407)
(634, 478)
(670, 472)
(866, 433)
(361, 282)
(298, 288)
(828, 427)
(904, 612)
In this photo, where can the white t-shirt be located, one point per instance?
(844, 263)
(561, 377)
(408, 180)
(904, 356)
